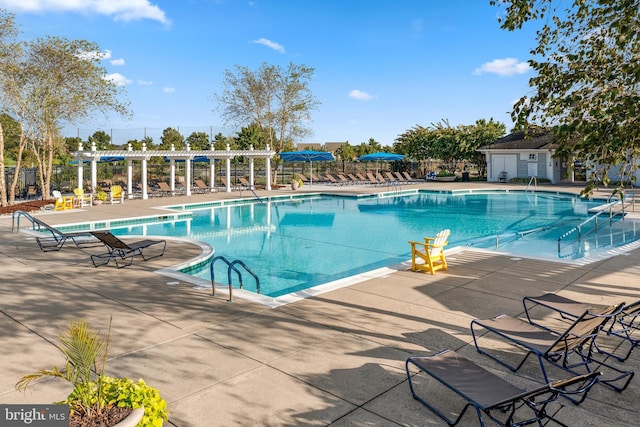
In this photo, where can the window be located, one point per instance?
(533, 157)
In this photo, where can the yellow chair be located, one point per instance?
(116, 194)
(82, 199)
(62, 202)
(433, 253)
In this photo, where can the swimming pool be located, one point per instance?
(298, 243)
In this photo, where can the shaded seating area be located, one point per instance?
(124, 253)
(431, 252)
(623, 325)
(570, 350)
(490, 395)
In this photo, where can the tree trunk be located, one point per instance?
(3, 183)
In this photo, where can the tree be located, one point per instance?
(279, 101)
(48, 82)
(587, 77)
(8, 33)
(171, 137)
(101, 139)
(198, 141)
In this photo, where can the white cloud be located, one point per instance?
(503, 67)
(168, 89)
(362, 96)
(145, 82)
(118, 79)
(121, 10)
(272, 45)
(117, 62)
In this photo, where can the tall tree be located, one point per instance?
(279, 101)
(198, 141)
(8, 33)
(171, 136)
(587, 63)
(55, 81)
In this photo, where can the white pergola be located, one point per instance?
(187, 155)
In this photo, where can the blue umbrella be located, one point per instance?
(307, 156)
(381, 156)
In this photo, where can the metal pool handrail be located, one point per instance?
(231, 267)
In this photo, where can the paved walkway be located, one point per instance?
(336, 359)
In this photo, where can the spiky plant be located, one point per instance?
(85, 352)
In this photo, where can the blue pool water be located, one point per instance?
(295, 244)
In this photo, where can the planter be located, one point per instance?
(133, 419)
(445, 178)
(97, 202)
(294, 185)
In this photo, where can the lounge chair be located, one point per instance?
(408, 177)
(400, 178)
(57, 239)
(62, 202)
(432, 253)
(244, 183)
(372, 179)
(303, 178)
(121, 251)
(343, 179)
(567, 350)
(82, 200)
(333, 180)
(165, 190)
(622, 325)
(116, 194)
(201, 187)
(491, 395)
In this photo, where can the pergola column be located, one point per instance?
(187, 172)
(251, 174)
(80, 161)
(129, 175)
(145, 193)
(94, 167)
(172, 172)
(228, 171)
(268, 171)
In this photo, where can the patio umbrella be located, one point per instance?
(381, 156)
(307, 156)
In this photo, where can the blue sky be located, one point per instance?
(381, 67)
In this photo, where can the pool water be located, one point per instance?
(295, 244)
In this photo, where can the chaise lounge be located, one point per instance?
(120, 251)
(568, 350)
(491, 395)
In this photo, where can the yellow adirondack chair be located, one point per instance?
(116, 194)
(82, 199)
(431, 251)
(62, 202)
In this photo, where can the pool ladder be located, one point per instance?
(231, 267)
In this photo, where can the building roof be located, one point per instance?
(533, 140)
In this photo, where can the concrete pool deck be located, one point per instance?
(334, 359)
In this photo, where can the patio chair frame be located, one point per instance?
(57, 239)
(556, 348)
(487, 393)
(119, 250)
(622, 325)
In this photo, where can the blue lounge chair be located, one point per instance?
(491, 395)
(120, 251)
